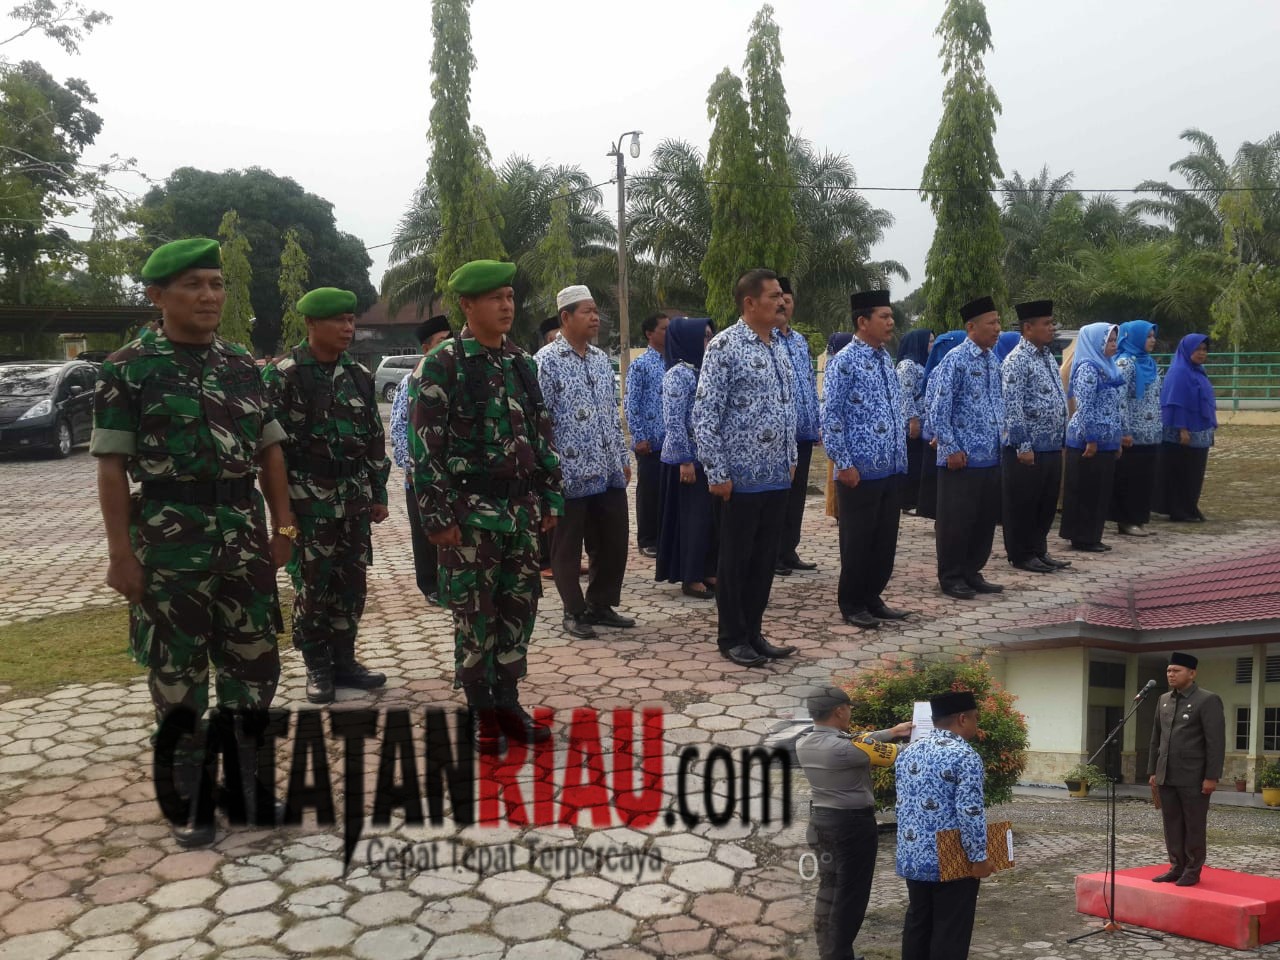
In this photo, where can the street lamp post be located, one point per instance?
(624, 317)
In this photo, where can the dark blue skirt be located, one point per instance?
(689, 534)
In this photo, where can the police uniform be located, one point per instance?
(338, 467)
(480, 445)
(191, 421)
(1188, 744)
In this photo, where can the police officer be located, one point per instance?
(487, 480)
(338, 468)
(842, 824)
(182, 412)
(1188, 744)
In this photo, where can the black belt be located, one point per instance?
(198, 492)
(844, 811)
(325, 467)
(508, 489)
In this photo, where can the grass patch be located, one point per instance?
(86, 646)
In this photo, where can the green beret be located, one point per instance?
(173, 258)
(481, 276)
(324, 302)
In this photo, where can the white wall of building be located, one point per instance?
(1051, 692)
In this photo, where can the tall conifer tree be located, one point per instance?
(237, 275)
(771, 131)
(295, 269)
(961, 172)
(470, 223)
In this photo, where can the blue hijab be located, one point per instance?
(914, 345)
(837, 342)
(1090, 344)
(943, 345)
(1186, 385)
(685, 337)
(1133, 344)
(1004, 346)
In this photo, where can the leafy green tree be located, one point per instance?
(669, 225)
(771, 131)
(962, 169)
(470, 224)
(237, 275)
(552, 263)
(193, 202)
(737, 242)
(65, 22)
(295, 267)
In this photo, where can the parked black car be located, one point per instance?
(46, 406)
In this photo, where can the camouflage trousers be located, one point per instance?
(491, 584)
(330, 570)
(188, 619)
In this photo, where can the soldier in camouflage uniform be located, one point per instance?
(487, 480)
(338, 467)
(182, 412)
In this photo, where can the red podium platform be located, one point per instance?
(1228, 908)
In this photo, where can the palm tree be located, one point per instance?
(525, 194)
(1026, 211)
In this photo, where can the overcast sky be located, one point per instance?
(337, 95)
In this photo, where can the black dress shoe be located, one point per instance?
(744, 656)
(578, 626)
(889, 613)
(981, 585)
(959, 591)
(699, 592)
(1049, 561)
(781, 569)
(1089, 547)
(1034, 565)
(608, 617)
(1169, 876)
(1188, 879)
(648, 551)
(767, 649)
(861, 618)
(795, 563)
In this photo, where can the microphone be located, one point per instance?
(1151, 685)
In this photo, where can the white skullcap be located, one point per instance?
(571, 295)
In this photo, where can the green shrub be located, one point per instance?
(885, 697)
(1086, 773)
(1269, 776)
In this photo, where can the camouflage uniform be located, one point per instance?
(480, 442)
(338, 467)
(191, 420)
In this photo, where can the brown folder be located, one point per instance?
(954, 865)
(1155, 796)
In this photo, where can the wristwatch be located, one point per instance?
(290, 532)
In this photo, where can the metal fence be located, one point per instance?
(1241, 381)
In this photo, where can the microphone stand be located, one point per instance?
(1112, 926)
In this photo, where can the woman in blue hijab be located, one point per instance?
(913, 354)
(1134, 487)
(1188, 412)
(1095, 434)
(1004, 346)
(927, 501)
(688, 534)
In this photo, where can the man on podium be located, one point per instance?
(1188, 740)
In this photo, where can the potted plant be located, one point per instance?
(1081, 777)
(1269, 781)
(1241, 784)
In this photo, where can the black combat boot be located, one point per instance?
(514, 720)
(255, 785)
(484, 728)
(197, 830)
(319, 675)
(348, 673)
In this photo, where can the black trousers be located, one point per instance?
(1029, 494)
(750, 530)
(1086, 495)
(1134, 484)
(425, 560)
(599, 521)
(939, 922)
(1182, 470)
(844, 841)
(795, 501)
(648, 502)
(869, 516)
(910, 495)
(968, 511)
(927, 501)
(1185, 811)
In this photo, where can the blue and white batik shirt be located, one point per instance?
(862, 412)
(965, 412)
(644, 399)
(1035, 405)
(1143, 414)
(679, 386)
(796, 347)
(939, 782)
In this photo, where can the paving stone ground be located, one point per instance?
(87, 868)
